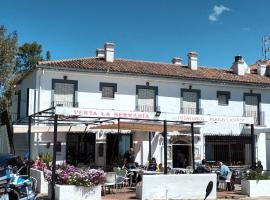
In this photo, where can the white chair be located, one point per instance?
(110, 181)
(227, 181)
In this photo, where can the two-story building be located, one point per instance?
(108, 83)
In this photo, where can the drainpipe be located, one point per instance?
(39, 88)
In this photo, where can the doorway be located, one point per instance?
(116, 147)
(181, 156)
(81, 148)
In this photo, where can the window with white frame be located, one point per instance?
(108, 90)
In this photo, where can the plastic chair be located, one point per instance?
(110, 181)
(122, 178)
(227, 181)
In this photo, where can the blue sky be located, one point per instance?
(152, 30)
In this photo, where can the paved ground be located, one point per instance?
(130, 193)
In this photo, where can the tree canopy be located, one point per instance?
(14, 61)
(8, 53)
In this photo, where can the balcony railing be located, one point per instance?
(192, 111)
(258, 117)
(65, 103)
(147, 108)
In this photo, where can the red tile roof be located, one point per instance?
(156, 69)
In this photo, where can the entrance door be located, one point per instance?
(181, 156)
(117, 145)
(81, 148)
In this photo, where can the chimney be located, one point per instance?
(100, 53)
(262, 67)
(193, 60)
(239, 66)
(177, 61)
(109, 52)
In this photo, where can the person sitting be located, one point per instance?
(259, 167)
(160, 168)
(203, 168)
(152, 165)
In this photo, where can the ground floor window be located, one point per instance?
(81, 148)
(232, 150)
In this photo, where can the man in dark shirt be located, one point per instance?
(203, 168)
(129, 159)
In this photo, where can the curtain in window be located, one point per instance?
(64, 94)
(146, 100)
(189, 103)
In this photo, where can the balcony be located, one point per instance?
(191, 111)
(259, 118)
(147, 108)
(65, 104)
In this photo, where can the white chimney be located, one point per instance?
(177, 61)
(262, 67)
(239, 66)
(109, 52)
(100, 53)
(193, 60)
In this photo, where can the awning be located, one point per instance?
(145, 127)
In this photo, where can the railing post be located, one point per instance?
(192, 145)
(54, 156)
(29, 142)
(165, 146)
(253, 149)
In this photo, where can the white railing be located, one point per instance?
(259, 118)
(191, 110)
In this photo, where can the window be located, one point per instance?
(223, 98)
(64, 92)
(252, 107)
(108, 89)
(146, 98)
(190, 101)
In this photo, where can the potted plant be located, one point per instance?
(75, 183)
(37, 171)
(255, 183)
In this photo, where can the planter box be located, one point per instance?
(176, 186)
(71, 192)
(256, 188)
(42, 184)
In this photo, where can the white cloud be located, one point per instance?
(217, 11)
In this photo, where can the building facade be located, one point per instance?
(107, 83)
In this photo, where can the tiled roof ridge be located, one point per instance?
(63, 60)
(129, 60)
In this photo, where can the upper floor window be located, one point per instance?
(223, 98)
(64, 92)
(108, 89)
(146, 98)
(252, 107)
(190, 101)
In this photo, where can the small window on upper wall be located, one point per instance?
(223, 98)
(108, 89)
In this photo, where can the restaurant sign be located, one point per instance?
(99, 113)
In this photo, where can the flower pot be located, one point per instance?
(71, 192)
(256, 188)
(42, 184)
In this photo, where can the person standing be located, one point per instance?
(129, 159)
(223, 172)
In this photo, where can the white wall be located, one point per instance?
(169, 99)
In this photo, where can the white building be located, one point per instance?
(105, 82)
